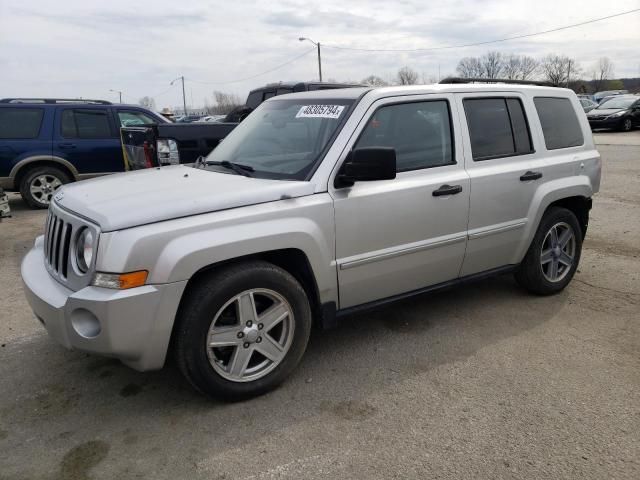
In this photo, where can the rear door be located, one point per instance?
(505, 171)
(25, 133)
(88, 137)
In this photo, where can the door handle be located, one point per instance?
(530, 176)
(66, 145)
(447, 190)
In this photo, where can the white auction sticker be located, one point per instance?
(320, 111)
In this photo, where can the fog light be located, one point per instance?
(85, 323)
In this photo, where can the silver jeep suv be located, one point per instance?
(319, 204)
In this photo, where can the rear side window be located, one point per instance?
(20, 123)
(559, 122)
(497, 127)
(420, 133)
(85, 123)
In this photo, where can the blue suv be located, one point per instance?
(45, 143)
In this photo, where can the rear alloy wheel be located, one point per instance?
(40, 184)
(554, 253)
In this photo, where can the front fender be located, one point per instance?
(549, 192)
(175, 250)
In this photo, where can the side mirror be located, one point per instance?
(366, 165)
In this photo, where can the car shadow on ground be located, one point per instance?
(78, 398)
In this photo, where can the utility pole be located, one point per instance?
(319, 63)
(184, 98)
(317, 44)
(118, 92)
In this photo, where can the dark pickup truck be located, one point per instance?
(172, 143)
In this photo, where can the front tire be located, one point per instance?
(554, 253)
(40, 184)
(242, 330)
(626, 125)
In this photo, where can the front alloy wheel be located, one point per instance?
(250, 335)
(241, 329)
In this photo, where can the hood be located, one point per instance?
(125, 200)
(605, 111)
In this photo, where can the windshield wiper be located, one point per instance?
(239, 168)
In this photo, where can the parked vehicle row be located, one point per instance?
(621, 112)
(318, 205)
(45, 143)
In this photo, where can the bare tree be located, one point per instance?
(469, 67)
(558, 69)
(224, 103)
(603, 71)
(407, 76)
(148, 102)
(374, 81)
(512, 67)
(528, 67)
(492, 65)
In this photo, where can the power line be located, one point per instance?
(445, 47)
(161, 93)
(257, 74)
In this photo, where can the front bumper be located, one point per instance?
(132, 325)
(605, 123)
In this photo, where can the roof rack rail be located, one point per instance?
(55, 100)
(495, 80)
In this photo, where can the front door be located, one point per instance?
(396, 236)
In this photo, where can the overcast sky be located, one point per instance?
(72, 48)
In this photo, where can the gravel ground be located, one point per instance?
(479, 382)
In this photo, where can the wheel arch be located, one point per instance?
(23, 167)
(566, 193)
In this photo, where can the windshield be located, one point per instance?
(282, 139)
(617, 102)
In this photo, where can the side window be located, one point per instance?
(268, 95)
(20, 123)
(559, 122)
(497, 127)
(85, 123)
(131, 118)
(420, 132)
(254, 99)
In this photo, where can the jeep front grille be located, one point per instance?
(60, 234)
(57, 240)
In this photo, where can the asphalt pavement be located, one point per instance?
(484, 381)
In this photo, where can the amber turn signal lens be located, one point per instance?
(133, 279)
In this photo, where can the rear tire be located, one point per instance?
(40, 184)
(554, 253)
(241, 330)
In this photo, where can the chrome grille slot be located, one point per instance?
(61, 229)
(66, 243)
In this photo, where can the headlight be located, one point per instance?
(618, 114)
(84, 250)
